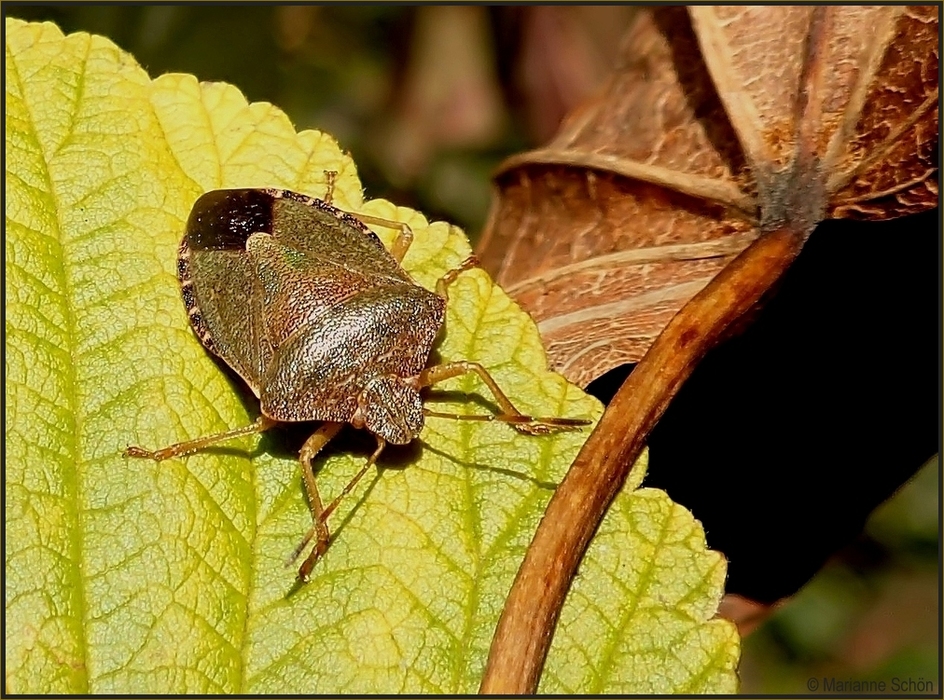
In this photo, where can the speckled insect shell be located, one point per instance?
(301, 300)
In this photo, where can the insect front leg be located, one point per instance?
(182, 449)
(320, 520)
(319, 529)
(510, 414)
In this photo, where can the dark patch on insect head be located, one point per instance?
(224, 219)
(220, 220)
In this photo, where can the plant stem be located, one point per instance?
(522, 639)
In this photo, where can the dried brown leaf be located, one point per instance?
(718, 123)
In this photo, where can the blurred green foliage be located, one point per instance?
(335, 68)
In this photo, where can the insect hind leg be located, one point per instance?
(404, 239)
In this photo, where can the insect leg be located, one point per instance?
(520, 422)
(404, 238)
(312, 447)
(182, 449)
(304, 572)
(442, 284)
(330, 177)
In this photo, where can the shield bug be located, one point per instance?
(306, 305)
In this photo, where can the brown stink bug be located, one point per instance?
(304, 302)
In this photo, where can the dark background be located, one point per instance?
(782, 467)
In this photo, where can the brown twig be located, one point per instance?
(525, 629)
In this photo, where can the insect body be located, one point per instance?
(306, 305)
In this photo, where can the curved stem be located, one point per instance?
(526, 627)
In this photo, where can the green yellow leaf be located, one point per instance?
(131, 576)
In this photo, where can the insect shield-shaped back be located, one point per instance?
(308, 307)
